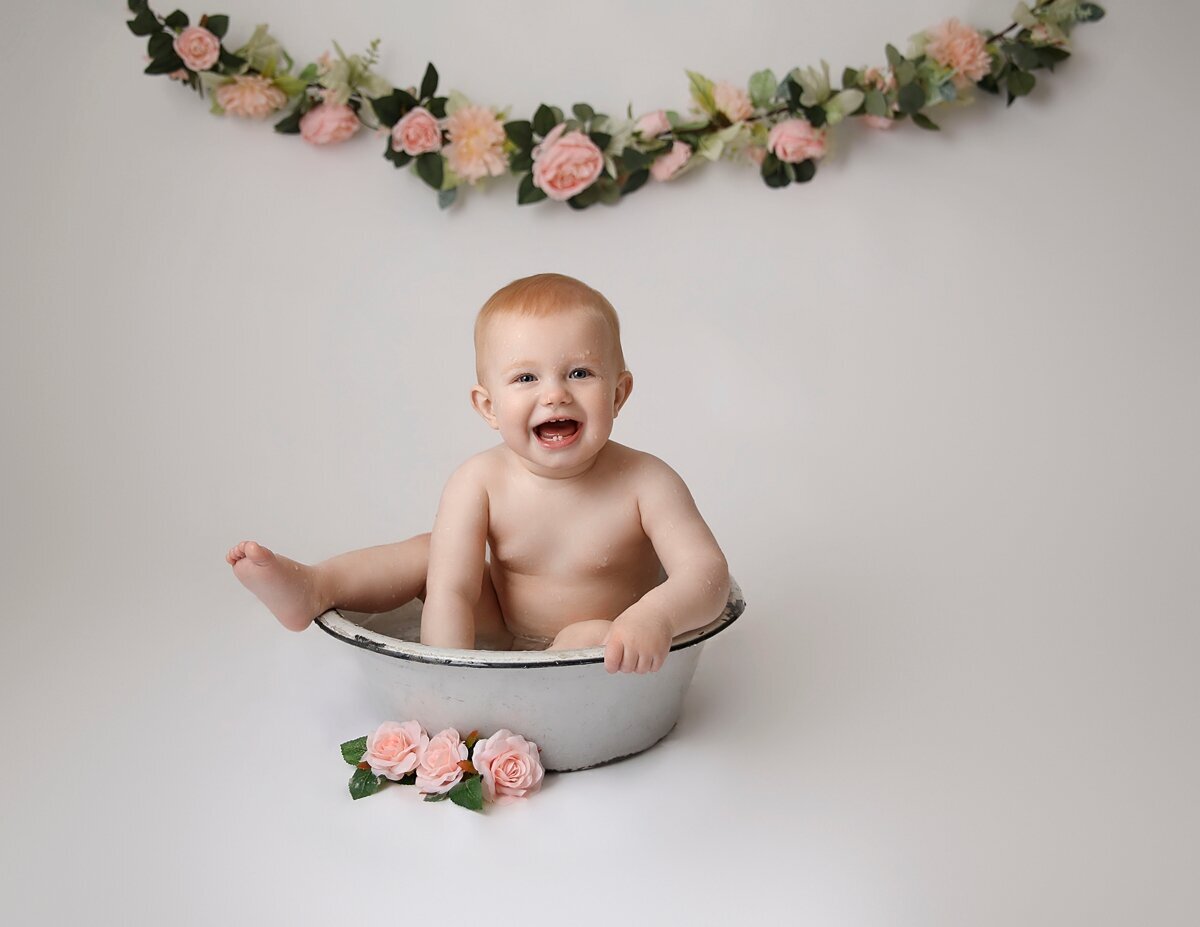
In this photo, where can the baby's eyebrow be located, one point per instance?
(582, 358)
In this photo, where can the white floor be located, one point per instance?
(940, 410)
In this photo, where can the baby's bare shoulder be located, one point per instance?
(644, 472)
(479, 470)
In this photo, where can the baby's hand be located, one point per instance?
(637, 644)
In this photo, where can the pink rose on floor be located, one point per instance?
(733, 101)
(653, 124)
(956, 45)
(670, 164)
(438, 770)
(327, 124)
(394, 750)
(564, 165)
(251, 96)
(509, 766)
(795, 140)
(476, 148)
(198, 48)
(417, 132)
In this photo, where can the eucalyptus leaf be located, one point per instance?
(925, 122)
(762, 88)
(583, 112)
(893, 56)
(911, 98)
(876, 103)
(1020, 83)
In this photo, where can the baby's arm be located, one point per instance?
(456, 556)
(697, 584)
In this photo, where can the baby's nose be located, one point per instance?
(556, 394)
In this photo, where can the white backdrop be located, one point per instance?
(938, 406)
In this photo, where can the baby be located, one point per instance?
(581, 529)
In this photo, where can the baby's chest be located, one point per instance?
(567, 535)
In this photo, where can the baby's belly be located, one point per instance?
(540, 606)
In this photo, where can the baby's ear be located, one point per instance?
(482, 401)
(624, 388)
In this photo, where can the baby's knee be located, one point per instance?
(581, 634)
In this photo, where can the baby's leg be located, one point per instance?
(581, 634)
(375, 579)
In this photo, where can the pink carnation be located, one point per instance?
(733, 101)
(509, 766)
(198, 48)
(251, 96)
(566, 164)
(959, 47)
(476, 148)
(795, 140)
(668, 165)
(417, 132)
(653, 124)
(394, 750)
(438, 770)
(328, 124)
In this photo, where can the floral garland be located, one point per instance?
(779, 125)
(501, 768)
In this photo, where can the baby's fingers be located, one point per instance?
(614, 653)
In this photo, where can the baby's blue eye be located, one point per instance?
(525, 378)
(579, 373)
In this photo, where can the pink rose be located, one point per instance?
(417, 132)
(251, 96)
(670, 164)
(653, 124)
(956, 45)
(564, 165)
(394, 750)
(198, 48)
(795, 140)
(326, 124)
(509, 766)
(733, 101)
(438, 770)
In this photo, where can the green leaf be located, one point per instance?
(520, 162)
(520, 132)
(469, 792)
(407, 100)
(543, 120)
(762, 88)
(876, 103)
(1089, 13)
(702, 91)
(387, 108)
(911, 98)
(608, 191)
(893, 56)
(354, 750)
(309, 74)
(1020, 82)
(635, 181)
(437, 796)
(159, 44)
(437, 106)
(527, 193)
(925, 122)
(849, 77)
(429, 82)
(1024, 57)
(364, 783)
(805, 170)
(229, 61)
(430, 167)
(906, 73)
(600, 139)
(177, 21)
(408, 778)
(635, 160)
(774, 172)
(290, 125)
(398, 157)
(166, 63)
(583, 112)
(217, 25)
(445, 201)
(145, 23)
(136, 6)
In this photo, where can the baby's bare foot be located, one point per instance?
(284, 586)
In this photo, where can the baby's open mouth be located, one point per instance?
(558, 431)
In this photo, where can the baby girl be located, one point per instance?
(581, 529)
